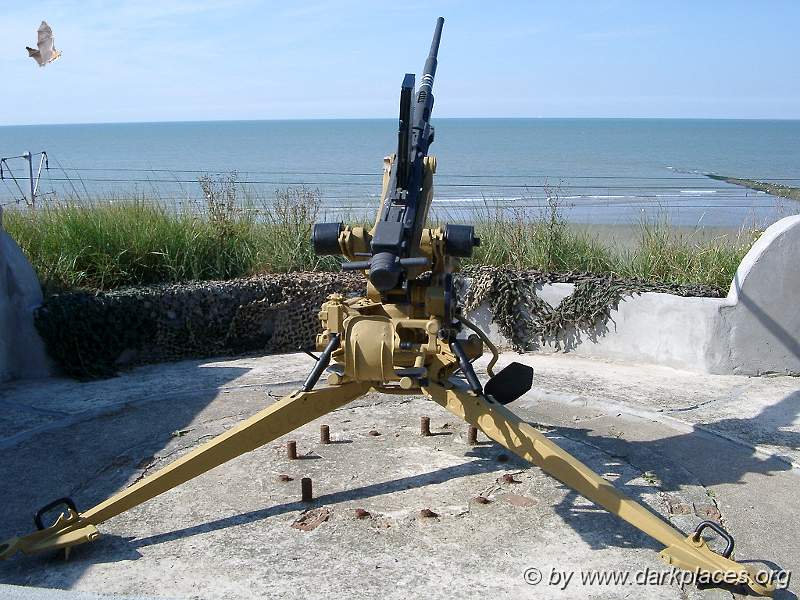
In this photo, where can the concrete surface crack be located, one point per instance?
(238, 415)
(371, 405)
(160, 459)
(243, 386)
(120, 460)
(687, 408)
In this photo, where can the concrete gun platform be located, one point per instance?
(446, 519)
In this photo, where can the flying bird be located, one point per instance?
(46, 52)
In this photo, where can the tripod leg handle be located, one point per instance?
(276, 420)
(503, 426)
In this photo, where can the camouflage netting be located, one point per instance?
(94, 334)
(528, 321)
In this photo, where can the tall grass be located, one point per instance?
(665, 254)
(108, 244)
(661, 253)
(103, 245)
(537, 240)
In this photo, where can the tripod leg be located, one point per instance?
(280, 418)
(503, 426)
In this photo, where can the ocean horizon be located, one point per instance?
(290, 119)
(603, 170)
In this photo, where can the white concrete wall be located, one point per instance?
(22, 354)
(648, 328)
(755, 330)
(761, 315)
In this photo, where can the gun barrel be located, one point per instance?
(394, 247)
(429, 72)
(437, 36)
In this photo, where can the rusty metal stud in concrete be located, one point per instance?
(472, 435)
(324, 434)
(291, 450)
(306, 491)
(424, 426)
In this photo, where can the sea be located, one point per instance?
(595, 171)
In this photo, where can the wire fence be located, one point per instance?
(455, 193)
(439, 174)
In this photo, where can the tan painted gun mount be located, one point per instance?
(396, 345)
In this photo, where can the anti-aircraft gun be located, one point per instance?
(408, 266)
(394, 250)
(407, 335)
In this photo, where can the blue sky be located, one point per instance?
(172, 60)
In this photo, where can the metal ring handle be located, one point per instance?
(718, 528)
(66, 501)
